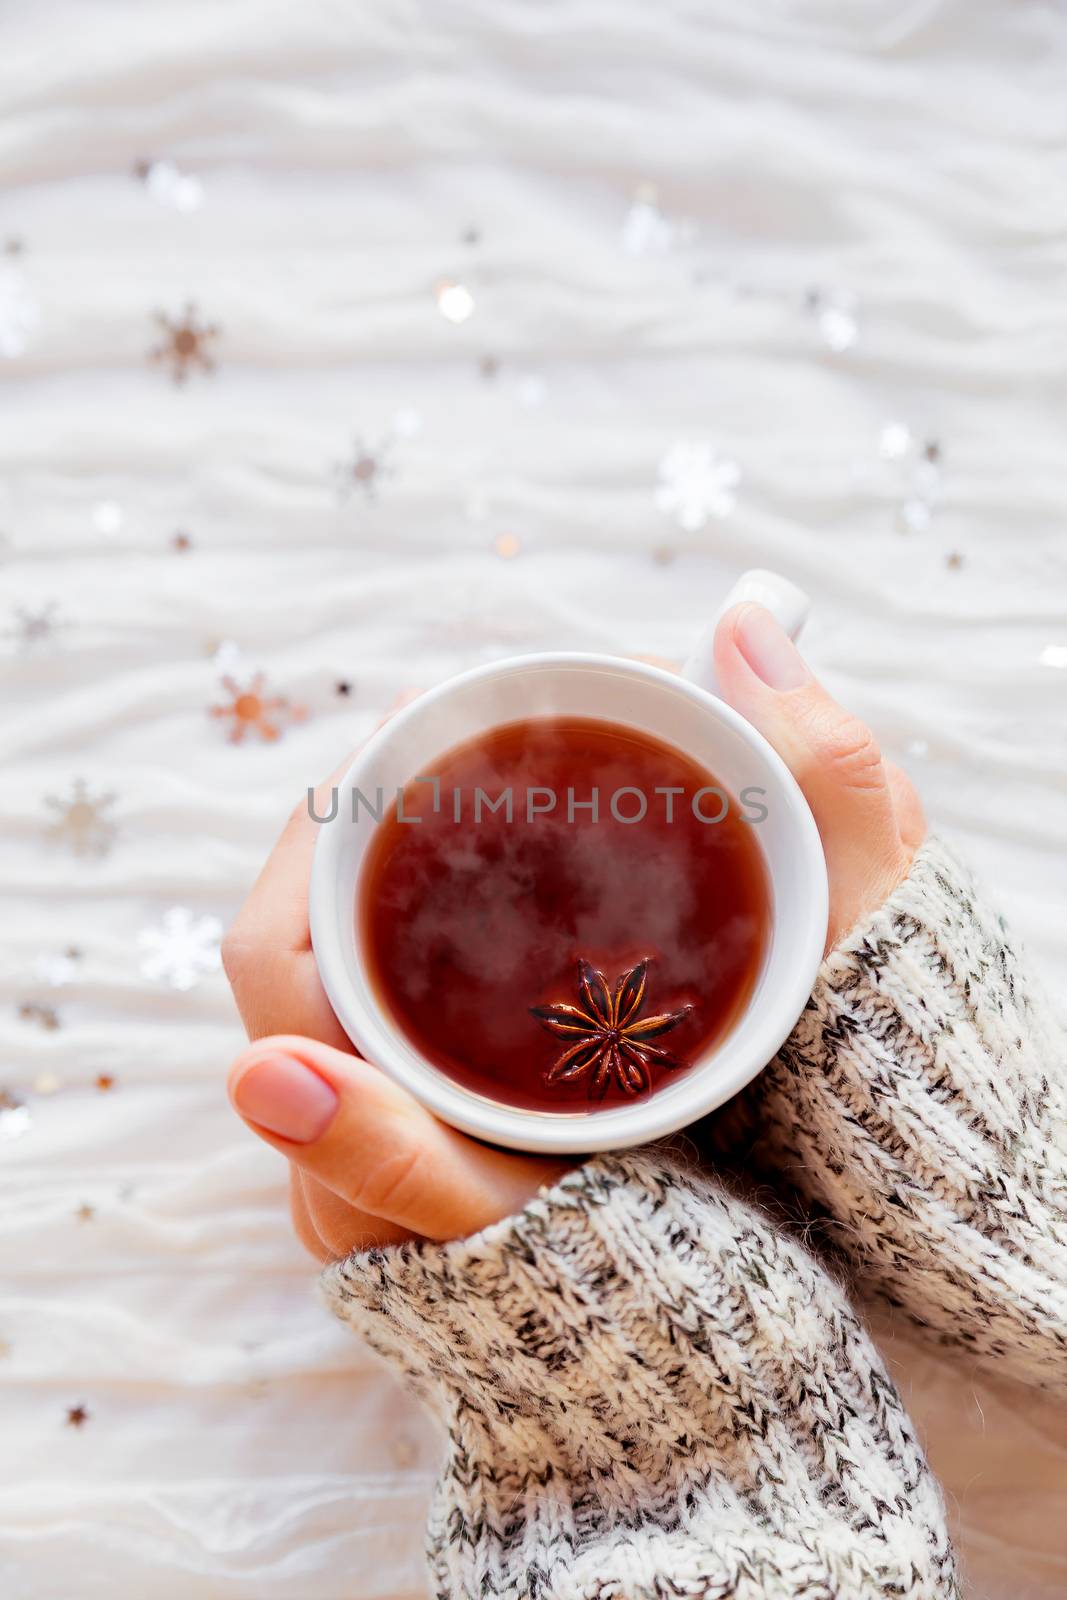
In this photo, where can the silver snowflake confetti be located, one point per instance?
(834, 314)
(81, 820)
(15, 1117)
(60, 967)
(1054, 655)
(182, 949)
(18, 314)
(454, 300)
(695, 482)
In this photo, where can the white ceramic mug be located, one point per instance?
(682, 711)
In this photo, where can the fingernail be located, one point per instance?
(769, 650)
(285, 1097)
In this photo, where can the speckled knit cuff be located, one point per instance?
(642, 1385)
(920, 1102)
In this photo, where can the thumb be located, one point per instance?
(362, 1137)
(832, 754)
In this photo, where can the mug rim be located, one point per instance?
(704, 1088)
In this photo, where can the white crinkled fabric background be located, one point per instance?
(813, 238)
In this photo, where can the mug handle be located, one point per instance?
(787, 603)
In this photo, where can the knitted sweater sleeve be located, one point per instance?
(646, 1391)
(920, 1107)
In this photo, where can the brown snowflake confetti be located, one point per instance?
(252, 710)
(181, 541)
(14, 246)
(46, 1017)
(610, 1039)
(85, 1213)
(342, 688)
(77, 1416)
(954, 561)
(5, 1349)
(104, 1081)
(489, 367)
(47, 1083)
(185, 343)
(507, 546)
(81, 821)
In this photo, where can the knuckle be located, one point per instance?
(845, 747)
(391, 1184)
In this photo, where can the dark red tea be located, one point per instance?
(550, 957)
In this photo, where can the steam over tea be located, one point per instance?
(566, 915)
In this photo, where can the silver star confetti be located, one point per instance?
(182, 949)
(454, 300)
(15, 1117)
(834, 314)
(696, 483)
(81, 820)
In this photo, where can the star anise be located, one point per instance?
(611, 1038)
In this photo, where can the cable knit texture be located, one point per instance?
(920, 1105)
(648, 1390)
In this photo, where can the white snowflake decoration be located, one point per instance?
(182, 949)
(696, 483)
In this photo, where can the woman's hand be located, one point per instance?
(368, 1164)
